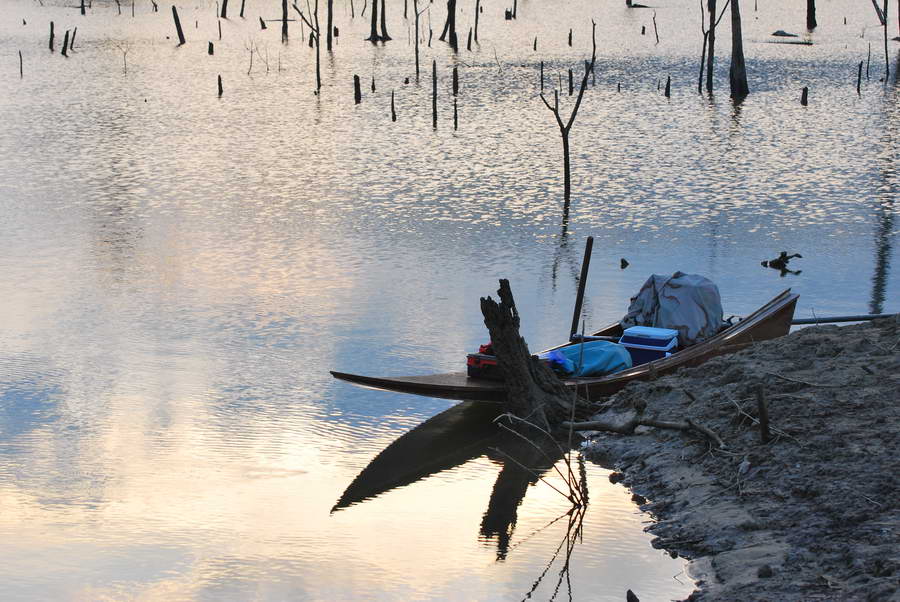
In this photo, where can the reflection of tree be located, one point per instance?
(565, 253)
(524, 463)
(883, 236)
(523, 466)
(573, 535)
(113, 207)
(464, 432)
(885, 208)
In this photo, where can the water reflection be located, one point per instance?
(884, 209)
(523, 465)
(573, 535)
(453, 437)
(462, 433)
(465, 432)
(884, 234)
(180, 271)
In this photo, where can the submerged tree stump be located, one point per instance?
(535, 393)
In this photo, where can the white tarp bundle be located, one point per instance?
(687, 303)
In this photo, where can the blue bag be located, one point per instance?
(594, 358)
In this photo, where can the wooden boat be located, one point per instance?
(770, 321)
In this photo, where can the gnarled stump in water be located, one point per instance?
(535, 392)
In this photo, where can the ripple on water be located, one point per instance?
(181, 271)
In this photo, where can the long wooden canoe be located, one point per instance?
(770, 321)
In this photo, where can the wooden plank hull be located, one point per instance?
(770, 321)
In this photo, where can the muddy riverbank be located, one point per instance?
(812, 514)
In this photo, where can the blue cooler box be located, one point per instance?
(646, 344)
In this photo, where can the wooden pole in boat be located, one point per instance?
(582, 282)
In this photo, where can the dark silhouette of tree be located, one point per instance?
(384, 34)
(314, 34)
(705, 41)
(329, 21)
(450, 25)
(564, 128)
(737, 73)
(373, 30)
(418, 14)
(711, 45)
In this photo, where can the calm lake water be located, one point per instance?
(179, 271)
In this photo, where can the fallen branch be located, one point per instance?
(710, 434)
(627, 428)
(600, 425)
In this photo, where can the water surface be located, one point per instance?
(181, 270)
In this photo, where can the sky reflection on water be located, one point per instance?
(180, 271)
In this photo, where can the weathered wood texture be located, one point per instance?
(534, 391)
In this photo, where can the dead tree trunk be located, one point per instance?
(373, 29)
(711, 45)
(478, 9)
(315, 26)
(535, 393)
(416, 30)
(314, 37)
(811, 14)
(706, 34)
(450, 25)
(565, 127)
(384, 34)
(887, 64)
(224, 13)
(178, 26)
(737, 74)
(329, 21)
(434, 93)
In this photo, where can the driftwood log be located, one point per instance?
(538, 396)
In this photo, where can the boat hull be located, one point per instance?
(770, 321)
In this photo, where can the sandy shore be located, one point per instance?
(812, 515)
